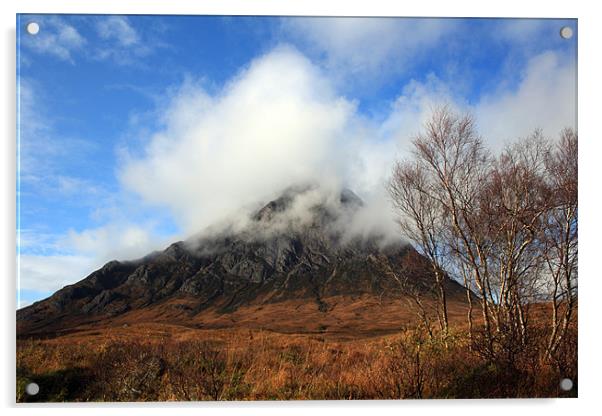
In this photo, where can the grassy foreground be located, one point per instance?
(166, 363)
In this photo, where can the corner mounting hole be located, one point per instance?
(32, 28)
(566, 384)
(566, 32)
(32, 389)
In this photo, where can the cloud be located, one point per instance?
(58, 260)
(116, 40)
(70, 186)
(56, 38)
(50, 273)
(47, 158)
(388, 138)
(280, 122)
(120, 41)
(277, 123)
(530, 35)
(70, 258)
(412, 108)
(545, 98)
(370, 46)
(113, 241)
(33, 128)
(117, 29)
(519, 30)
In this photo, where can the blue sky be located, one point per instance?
(139, 130)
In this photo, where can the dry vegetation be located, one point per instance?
(160, 362)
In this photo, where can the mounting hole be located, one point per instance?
(32, 28)
(32, 389)
(566, 32)
(566, 384)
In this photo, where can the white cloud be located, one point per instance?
(70, 186)
(118, 29)
(414, 105)
(36, 241)
(277, 123)
(33, 128)
(69, 258)
(389, 139)
(56, 37)
(369, 45)
(113, 241)
(120, 41)
(50, 273)
(519, 31)
(281, 122)
(545, 98)
(41, 150)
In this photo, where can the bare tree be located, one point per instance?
(436, 196)
(514, 204)
(503, 225)
(422, 222)
(561, 236)
(457, 162)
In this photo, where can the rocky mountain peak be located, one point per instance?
(309, 198)
(268, 263)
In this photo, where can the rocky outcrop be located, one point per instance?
(278, 256)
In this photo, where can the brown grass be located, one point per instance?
(158, 362)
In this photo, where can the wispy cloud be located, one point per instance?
(545, 98)
(57, 38)
(112, 38)
(120, 41)
(527, 34)
(50, 261)
(50, 273)
(368, 46)
(121, 241)
(44, 153)
(117, 29)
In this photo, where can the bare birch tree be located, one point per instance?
(422, 222)
(514, 204)
(453, 154)
(561, 236)
(436, 194)
(503, 225)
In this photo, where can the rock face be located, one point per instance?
(295, 247)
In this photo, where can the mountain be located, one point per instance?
(293, 266)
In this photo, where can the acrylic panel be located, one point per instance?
(295, 208)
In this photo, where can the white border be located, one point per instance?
(589, 179)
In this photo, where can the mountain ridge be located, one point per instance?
(294, 250)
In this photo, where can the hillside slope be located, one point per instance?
(292, 268)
